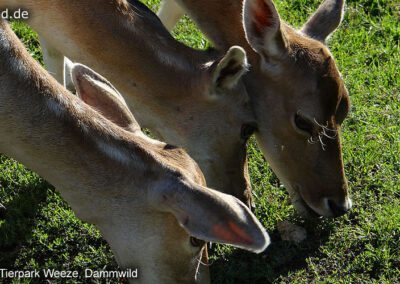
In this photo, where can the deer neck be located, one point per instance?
(54, 133)
(148, 68)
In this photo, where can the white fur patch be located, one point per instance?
(208, 64)
(113, 152)
(349, 204)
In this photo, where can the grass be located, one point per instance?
(364, 246)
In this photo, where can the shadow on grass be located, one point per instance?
(280, 258)
(16, 227)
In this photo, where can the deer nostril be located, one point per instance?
(336, 209)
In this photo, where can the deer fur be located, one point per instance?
(293, 81)
(147, 198)
(189, 98)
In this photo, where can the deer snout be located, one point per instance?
(311, 204)
(338, 209)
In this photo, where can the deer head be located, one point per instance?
(212, 120)
(175, 207)
(300, 101)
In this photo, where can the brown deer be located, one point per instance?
(147, 198)
(189, 98)
(295, 88)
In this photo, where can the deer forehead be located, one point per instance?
(319, 78)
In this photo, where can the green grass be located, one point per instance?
(363, 246)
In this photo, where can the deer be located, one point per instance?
(193, 99)
(296, 92)
(148, 199)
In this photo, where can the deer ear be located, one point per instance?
(100, 94)
(263, 28)
(325, 20)
(213, 216)
(68, 82)
(229, 70)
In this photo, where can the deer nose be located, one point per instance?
(338, 210)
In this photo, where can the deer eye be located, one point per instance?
(247, 131)
(196, 242)
(303, 124)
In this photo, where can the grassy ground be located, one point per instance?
(40, 230)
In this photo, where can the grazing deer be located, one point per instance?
(147, 198)
(186, 97)
(295, 88)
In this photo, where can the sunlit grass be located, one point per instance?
(364, 246)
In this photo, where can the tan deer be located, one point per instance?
(147, 198)
(296, 92)
(186, 97)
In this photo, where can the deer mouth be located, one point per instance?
(305, 209)
(301, 206)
